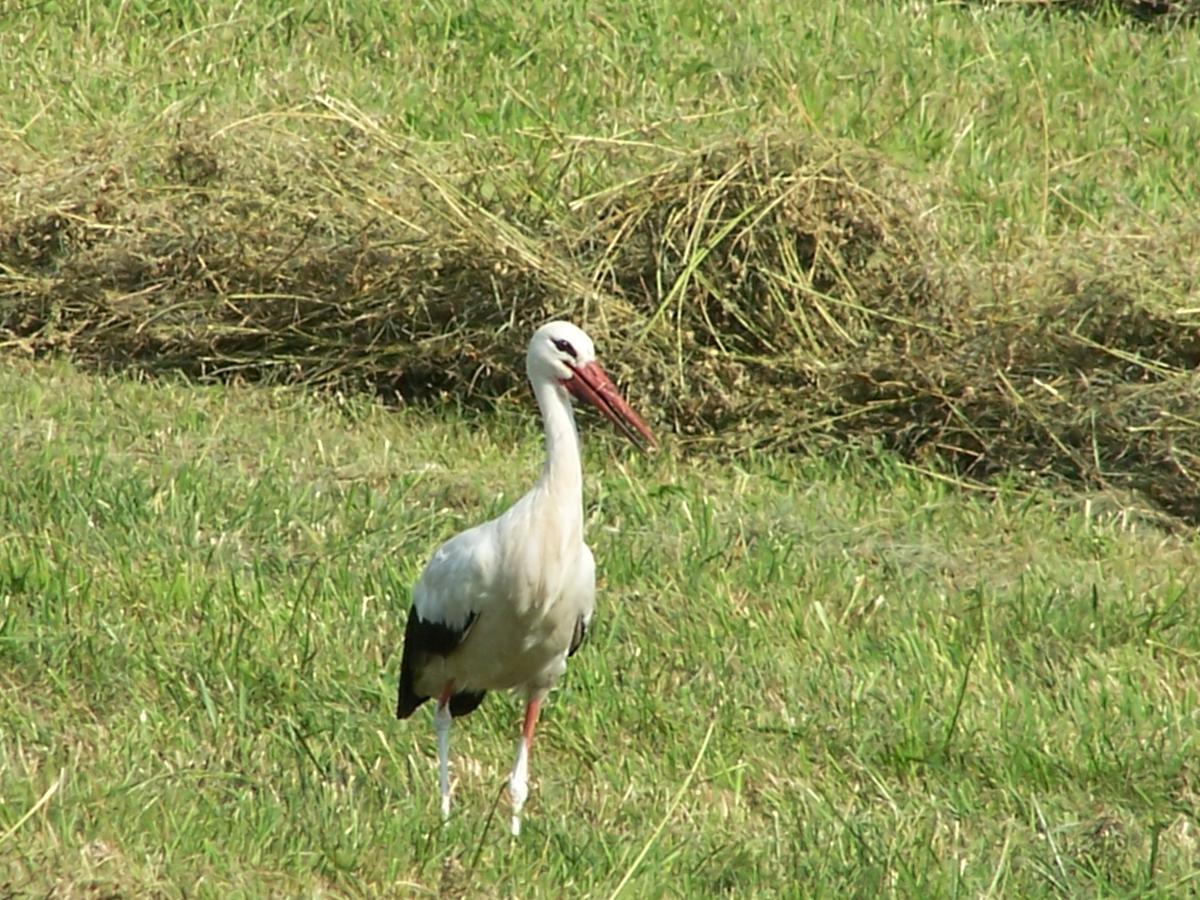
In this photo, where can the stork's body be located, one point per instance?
(502, 605)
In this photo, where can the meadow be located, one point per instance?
(820, 667)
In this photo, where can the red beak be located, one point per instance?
(591, 383)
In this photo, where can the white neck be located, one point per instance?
(561, 484)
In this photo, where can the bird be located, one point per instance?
(502, 605)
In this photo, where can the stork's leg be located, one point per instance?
(441, 721)
(518, 781)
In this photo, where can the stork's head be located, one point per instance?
(563, 354)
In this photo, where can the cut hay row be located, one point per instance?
(773, 292)
(1164, 12)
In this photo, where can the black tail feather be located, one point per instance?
(422, 640)
(460, 704)
(465, 701)
(408, 699)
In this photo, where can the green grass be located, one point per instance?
(824, 677)
(1020, 123)
(910, 690)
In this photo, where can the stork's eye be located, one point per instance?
(565, 347)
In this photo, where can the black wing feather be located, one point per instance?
(579, 635)
(423, 639)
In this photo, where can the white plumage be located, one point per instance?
(502, 605)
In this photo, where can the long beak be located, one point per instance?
(591, 383)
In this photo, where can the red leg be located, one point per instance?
(518, 781)
(531, 717)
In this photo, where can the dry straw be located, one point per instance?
(779, 292)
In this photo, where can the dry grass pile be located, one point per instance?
(779, 293)
(1081, 362)
(756, 269)
(1167, 12)
(269, 257)
(262, 258)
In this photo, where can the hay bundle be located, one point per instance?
(268, 263)
(767, 248)
(756, 268)
(1166, 12)
(349, 261)
(779, 293)
(1084, 366)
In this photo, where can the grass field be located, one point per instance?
(882, 684)
(1021, 123)
(834, 675)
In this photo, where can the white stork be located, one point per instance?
(502, 605)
